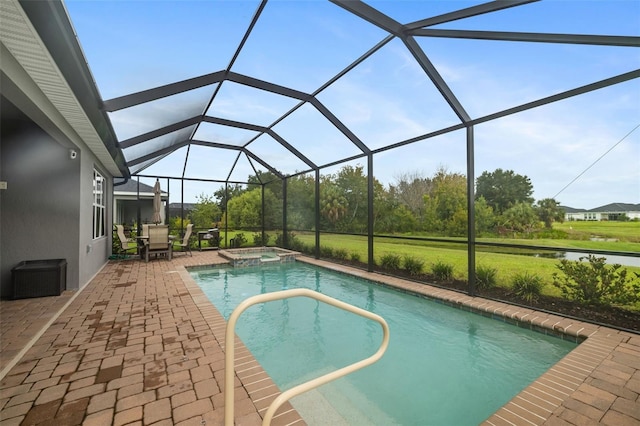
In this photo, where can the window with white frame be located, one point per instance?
(98, 205)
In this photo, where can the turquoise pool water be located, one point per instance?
(444, 366)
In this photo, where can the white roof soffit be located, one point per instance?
(20, 38)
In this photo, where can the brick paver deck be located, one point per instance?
(141, 344)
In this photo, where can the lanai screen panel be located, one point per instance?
(224, 134)
(156, 147)
(277, 155)
(487, 75)
(423, 157)
(249, 105)
(150, 116)
(150, 44)
(168, 165)
(298, 47)
(206, 163)
(577, 158)
(315, 136)
(422, 81)
(388, 98)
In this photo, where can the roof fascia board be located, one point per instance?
(598, 40)
(51, 21)
(160, 92)
(480, 9)
(24, 93)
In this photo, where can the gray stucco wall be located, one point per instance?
(93, 254)
(40, 207)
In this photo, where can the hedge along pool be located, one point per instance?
(444, 366)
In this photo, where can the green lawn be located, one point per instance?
(507, 265)
(583, 230)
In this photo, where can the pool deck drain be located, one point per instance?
(141, 344)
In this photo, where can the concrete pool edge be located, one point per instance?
(599, 381)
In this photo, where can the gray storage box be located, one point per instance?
(39, 278)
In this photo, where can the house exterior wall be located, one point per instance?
(582, 216)
(93, 253)
(597, 216)
(46, 212)
(40, 207)
(48, 106)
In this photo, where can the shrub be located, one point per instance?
(238, 240)
(442, 271)
(326, 251)
(307, 248)
(355, 257)
(259, 241)
(413, 265)
(486, 277)
(595, 282)
(390, 261)
(527, 287)
(340, 253)
(293, 243)
(212, 242)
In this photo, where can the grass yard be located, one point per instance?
(507, 265)
(584, 230)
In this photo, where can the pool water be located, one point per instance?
(443, 366)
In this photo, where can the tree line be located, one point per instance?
(417, 204)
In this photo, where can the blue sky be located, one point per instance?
(136, 45)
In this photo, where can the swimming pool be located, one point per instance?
(443, 365)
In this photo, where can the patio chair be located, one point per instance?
(124, 241)
(158, 242)
(185, 245)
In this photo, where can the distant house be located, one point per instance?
(175, 209)
(127, 198)
(611, 211)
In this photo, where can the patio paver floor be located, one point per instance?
(141, 344)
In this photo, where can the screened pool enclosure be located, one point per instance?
(370, 95)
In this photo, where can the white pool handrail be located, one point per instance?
(229, 364)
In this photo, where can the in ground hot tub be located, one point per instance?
(256, 256)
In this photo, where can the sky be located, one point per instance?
(584, 151)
